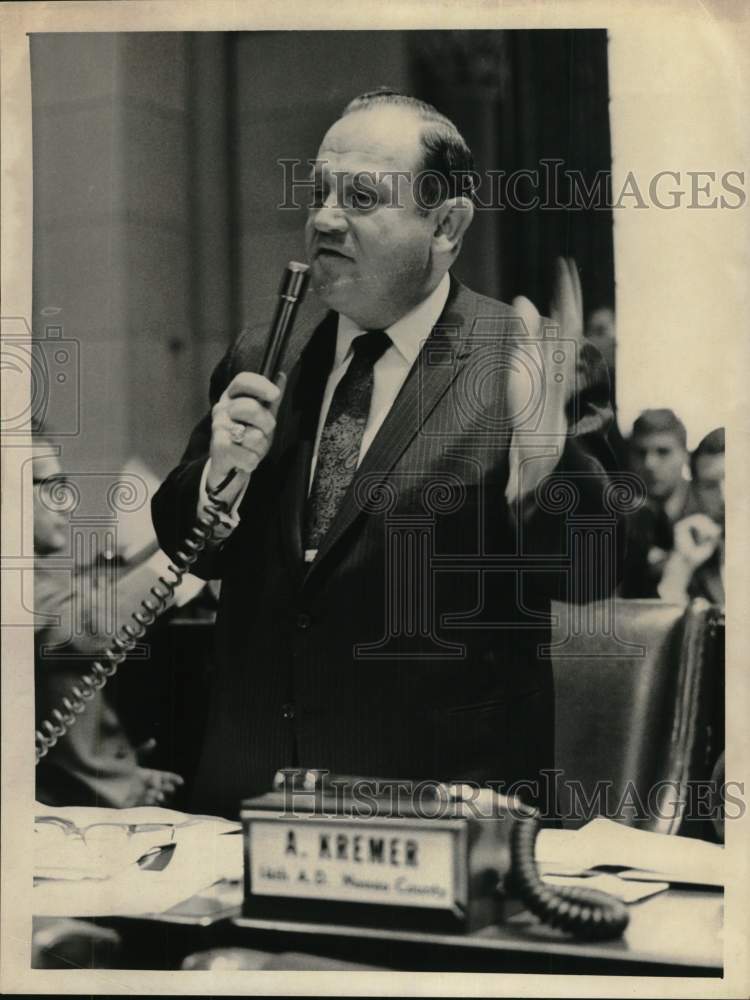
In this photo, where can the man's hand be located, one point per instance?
(244, 420)
(559, 381)
(158, 786)
(696, 539)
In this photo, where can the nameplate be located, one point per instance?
(361, 861)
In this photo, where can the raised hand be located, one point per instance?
(558, 355)
(696, 538)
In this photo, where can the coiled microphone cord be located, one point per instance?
(585, 913)
(73, 705)
(292, 291)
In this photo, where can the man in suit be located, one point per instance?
(399, 522)
(658, 455)
(695, 567)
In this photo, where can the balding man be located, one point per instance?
(390, 551)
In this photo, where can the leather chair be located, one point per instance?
(639, 710)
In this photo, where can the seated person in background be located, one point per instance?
(600, 330)
(695, 568)
(658, 454)
(94, 763)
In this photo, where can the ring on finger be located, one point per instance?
(237, 433)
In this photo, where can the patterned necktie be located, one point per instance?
(341, 438)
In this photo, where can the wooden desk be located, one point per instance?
(676, 933)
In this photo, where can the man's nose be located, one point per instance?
(330, 217)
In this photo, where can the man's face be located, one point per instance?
(600, 330)
(50, 524)
(368, 245)
(658, 459)
(708, 486)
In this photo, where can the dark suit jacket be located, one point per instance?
(408, 648)
(649, 535)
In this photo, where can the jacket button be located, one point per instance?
(304, 620)
(287, 711)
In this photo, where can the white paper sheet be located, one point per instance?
(89, 883)
(628, 892)
(135, 891)
(604, 842)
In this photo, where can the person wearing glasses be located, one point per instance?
(94, 763)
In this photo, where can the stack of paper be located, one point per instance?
(78, 878)
(643, 855)
(613, 885)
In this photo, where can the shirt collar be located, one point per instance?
(408, 333)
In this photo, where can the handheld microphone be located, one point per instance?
(292, 291)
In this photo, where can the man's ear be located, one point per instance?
(452, 219)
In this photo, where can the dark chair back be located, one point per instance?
(636, 710)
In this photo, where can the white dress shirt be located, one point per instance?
(407, 335)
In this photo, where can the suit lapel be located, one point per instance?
(437, 366)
